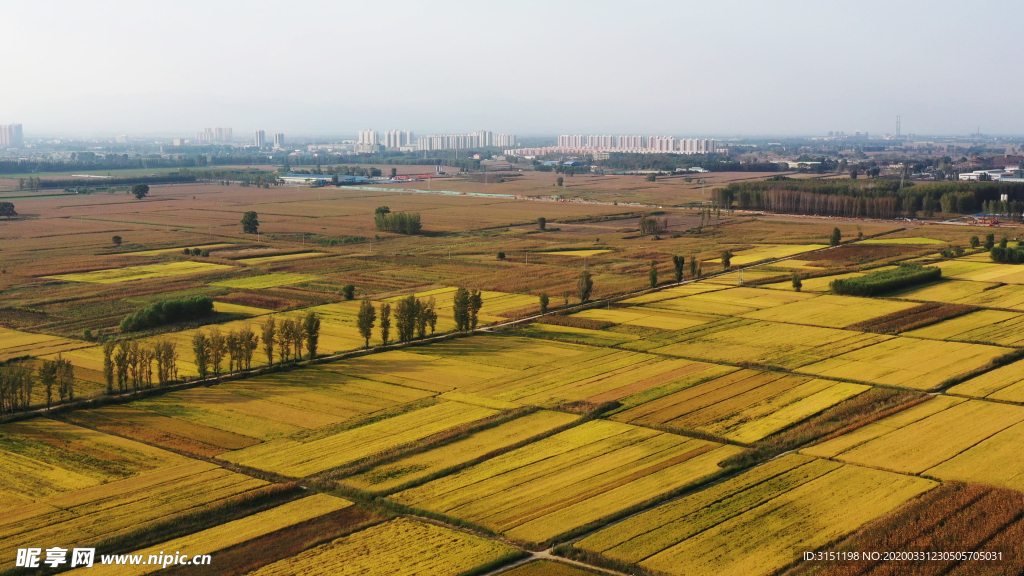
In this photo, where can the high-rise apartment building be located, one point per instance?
(11, 136)
(370, 137)
(260, 139)
(576, 144)
(394, 139)
(279, 140)
(214, 135)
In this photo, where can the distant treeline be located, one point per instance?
(711, 162)
(398, 222)
(882, 281)
(167, 312)
(872, 198)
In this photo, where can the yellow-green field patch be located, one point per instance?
(749, 525)
(128, 273)
(278, 258)
(265, 281)
(914, 240)
(830, 311)
(577, 253)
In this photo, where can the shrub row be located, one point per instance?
(167, 312)
(884, 281)
(1007, 255)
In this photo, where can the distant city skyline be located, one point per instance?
(780, 68)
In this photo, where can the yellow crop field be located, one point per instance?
(993, 326)
(577, 253)
(278, 258)
(914, 240)
(908, 362)
(767, 252)
(773, 343)
(401, 547)
(265, 281)
(750, 524)
(599, 375)
(14, 343)
(570, 479)
(389, 476)
(672, 293)
(234, 415)
(955, 292)
(744, 406)
(730, 302)
(830, 311)
(738, 277)
(164, 269)
(548, 568)
(982, 271)
(177, 250)
(228, 308)
(1004, 383)
(646, 317)
(218, 538)
(291, 457)
(945, 437)
(58, 479)
(819, 284)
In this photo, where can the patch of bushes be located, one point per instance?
(1007, 255)
(884, 281)
(167, 312)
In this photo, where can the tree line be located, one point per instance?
(874, 199)
(18, 379)
(168, 312)
(397, 222)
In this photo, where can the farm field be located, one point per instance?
(216, 539)
(400, 547)
(949, 438)
(549, 568)
(179, 249)
(1003, 383)
(768, 252)
(577, 253)
(966, 516)
(989, 326)
(296, 458)
(277, 258)
(59, 479)
(210, 421)
(14, 343)
(911, 240)
(388, 477)
(570, 479)
(130, 273)
(750, 524)
(830, 311)
(264, 281)
(744, 406)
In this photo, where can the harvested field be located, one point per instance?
(571, 479)
(218, 538)
(179, 249)
(744, 406)
(913, 240)
(951, 517)
(730, 302)
(750, 524)
(911, 318)
(277, 258)
(400, 547)
(945, 437)
(577, 253)
(130, 273)
(549, 568)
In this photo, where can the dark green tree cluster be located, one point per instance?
(397, 222)
(7, 210)
(139, 191)
(1007, 254)
(651, 225)
(250, 222)
(678, 263)
(413, 316)
(131, 364)
(883, 281)
(466, 308)
(168, 312)
(16, 382)
(57, 375)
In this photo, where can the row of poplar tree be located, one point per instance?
(17, 380)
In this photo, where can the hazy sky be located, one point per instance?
(716, 68)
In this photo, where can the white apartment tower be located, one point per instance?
(394, 139)
(279, 140)
(369, 137)
(260, 139)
